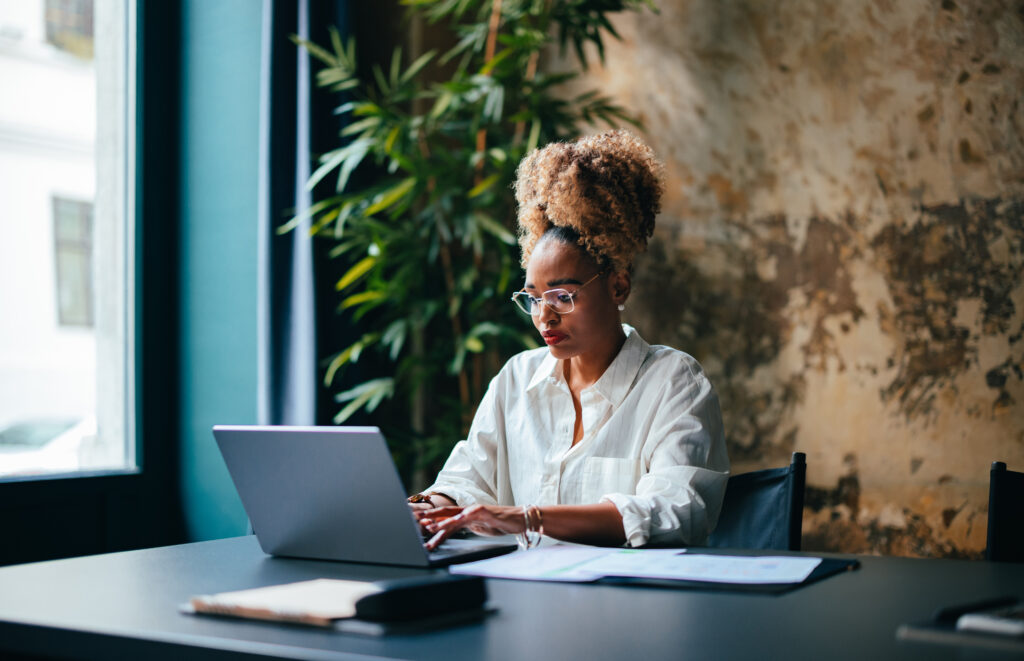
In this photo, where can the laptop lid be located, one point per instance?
(328, 493)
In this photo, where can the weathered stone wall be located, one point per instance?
(842, 245)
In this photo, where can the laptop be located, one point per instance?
(332, 493)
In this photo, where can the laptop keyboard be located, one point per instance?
(459, 546)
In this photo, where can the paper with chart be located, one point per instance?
(588, 563)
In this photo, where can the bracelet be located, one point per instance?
(533, 528)
(425, 497)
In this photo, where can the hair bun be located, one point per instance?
(606, 187)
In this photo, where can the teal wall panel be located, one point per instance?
(218, 202)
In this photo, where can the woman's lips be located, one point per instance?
(552, 338)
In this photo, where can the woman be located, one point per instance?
(599, 438)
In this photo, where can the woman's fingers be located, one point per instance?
(436, 540)
(443, 521)
(484, 520)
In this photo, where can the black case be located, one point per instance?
(422, 597)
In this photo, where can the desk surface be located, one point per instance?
(124, 605)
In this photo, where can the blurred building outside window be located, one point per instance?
(66, 237)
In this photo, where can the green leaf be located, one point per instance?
(350, 354)
(494, 227)
(441, 105)
(358, 151)
(343, 216)
(314, 50)
(345, 85)
(531, 143)
(483, 186)
(361, 125)
(366, 108)
(336, 42)
(394, 336)
(391, 196)
(382, 82)
(354, 151)
(389, 143)
(369, 394)
(495, 61)
(324, 221)
(474, 344)
(396, 67)
(312, 210)
(362, 297)
(416, 66)
(357, 271)
(345, 107)
(485, 328)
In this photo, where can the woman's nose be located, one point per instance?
(546, 314)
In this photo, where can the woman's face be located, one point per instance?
(594, 324)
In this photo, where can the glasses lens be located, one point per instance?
(559, 300)
(523, 301)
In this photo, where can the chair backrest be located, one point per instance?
(1005, 515)
(763, 509)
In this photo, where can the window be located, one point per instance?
(66, 236)
(69, 25)
(72, 232)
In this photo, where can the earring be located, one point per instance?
(621, 307)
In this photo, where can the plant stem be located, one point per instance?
(492, 41)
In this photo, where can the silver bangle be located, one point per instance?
(521, 539)
(532, 532)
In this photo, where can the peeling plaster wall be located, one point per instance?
(842, 245)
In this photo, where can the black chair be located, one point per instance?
(763, 509)
(1005, 515)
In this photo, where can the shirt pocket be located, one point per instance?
(604, 475)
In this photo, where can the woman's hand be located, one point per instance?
(422, 502)
(481, 519)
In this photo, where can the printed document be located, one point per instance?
(587, 563)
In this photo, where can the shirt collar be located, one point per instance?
(548, 370)
(616, 381)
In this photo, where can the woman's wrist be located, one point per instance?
(533, 527)
(428, 498)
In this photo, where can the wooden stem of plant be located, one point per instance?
(531, 71)
(492, 41)
(492, 30)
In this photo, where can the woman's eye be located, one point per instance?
(564, 298)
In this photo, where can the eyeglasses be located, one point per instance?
(560, 301)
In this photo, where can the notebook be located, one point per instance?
(421, 603)
(332, 493)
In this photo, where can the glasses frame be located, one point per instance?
(542, 299)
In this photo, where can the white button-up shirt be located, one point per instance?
(652, 443)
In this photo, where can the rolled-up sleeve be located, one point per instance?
(679, 495)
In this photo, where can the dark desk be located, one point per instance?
(124, 605)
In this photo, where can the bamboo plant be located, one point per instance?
(431, 238)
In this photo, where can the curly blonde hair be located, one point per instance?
(605, 188)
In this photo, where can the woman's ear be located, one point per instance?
(619, 285)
